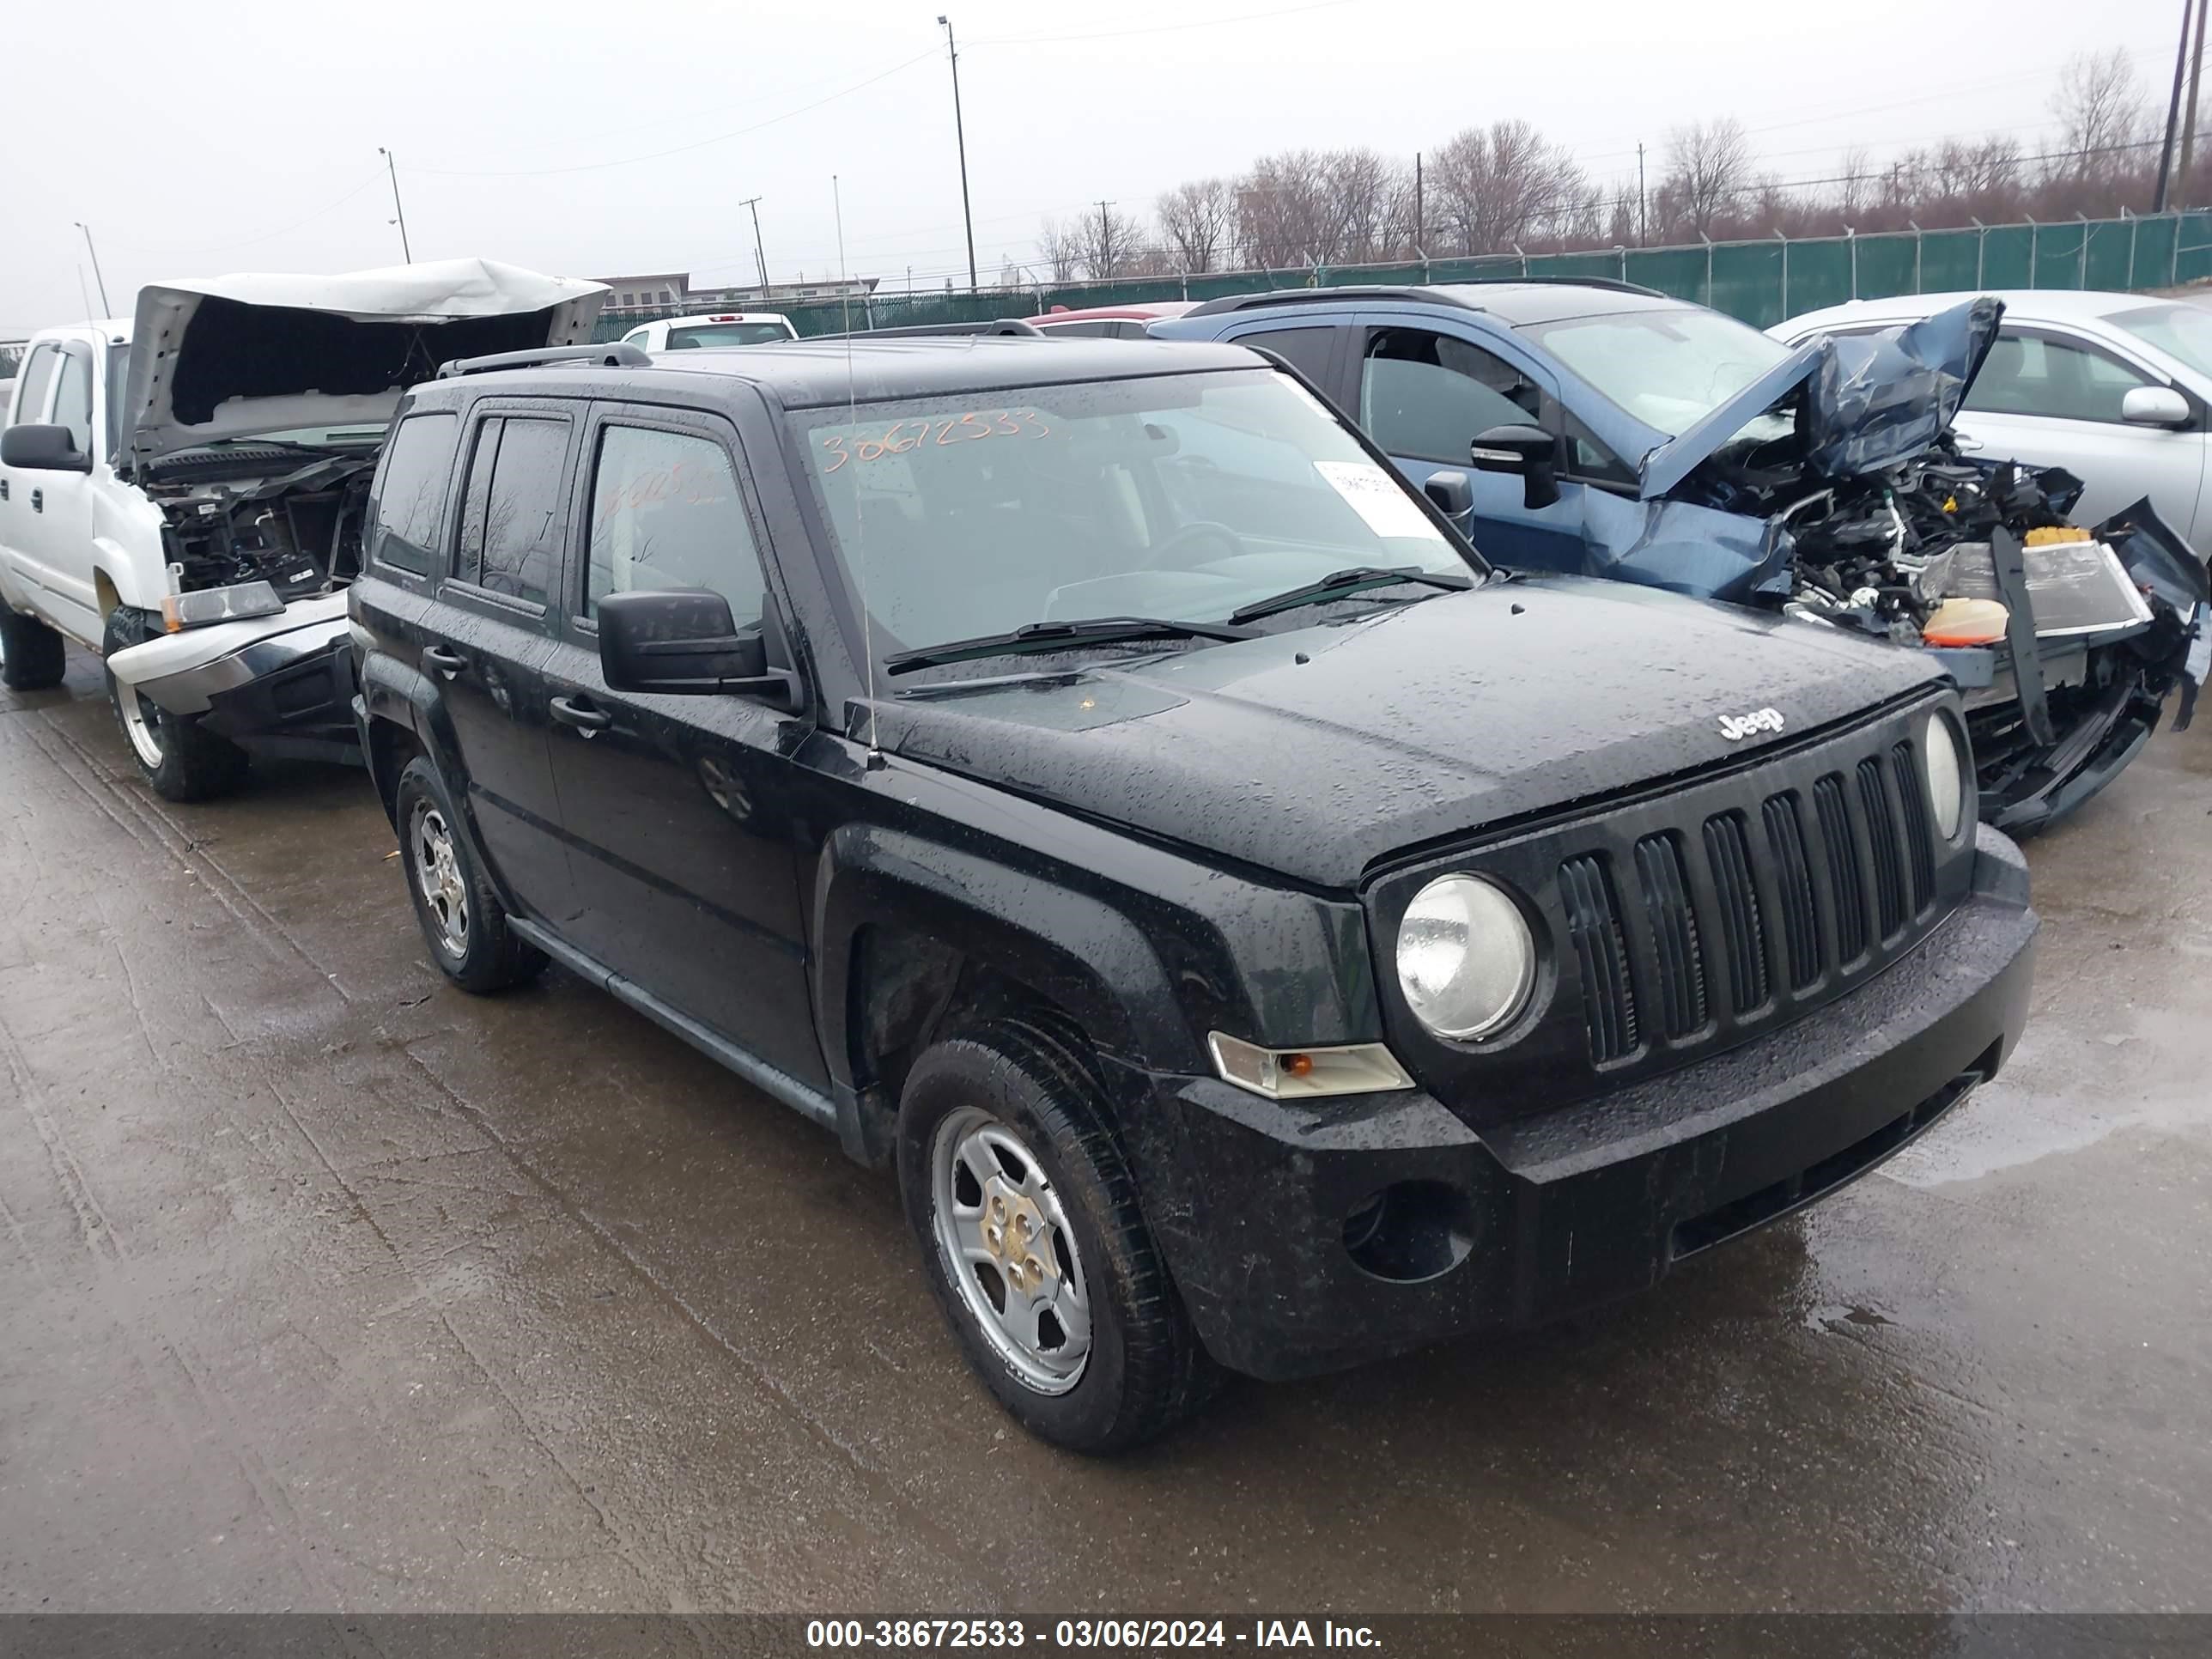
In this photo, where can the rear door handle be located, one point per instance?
(3, 489)
(444, 661)
(586, 719)
(1969, 445)
(38, 501)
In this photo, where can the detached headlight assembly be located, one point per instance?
(1466, 962)
(1942, 756)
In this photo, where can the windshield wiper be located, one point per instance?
(1056, 635)
(1339, 584)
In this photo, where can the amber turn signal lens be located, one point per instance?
(1297, 1065)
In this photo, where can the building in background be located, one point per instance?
(660, 292)
(666, 293)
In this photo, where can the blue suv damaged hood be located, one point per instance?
(1872, 400)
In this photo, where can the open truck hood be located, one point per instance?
(1871, 400)
(235, 356)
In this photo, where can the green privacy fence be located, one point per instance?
(1761, 282)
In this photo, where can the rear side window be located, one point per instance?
(411, 491)
(73, 403)
(1305, 349)
(666, 513)
(509, 539)
(31, 389)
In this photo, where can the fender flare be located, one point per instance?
(1097, 964)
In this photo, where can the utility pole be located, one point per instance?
(1643, 229)
(960, 134)
(2172, 113)
(1421, 240)
(2189, 119)
(753, 202)
(1105, 241)
(95, 252)
(392, 170)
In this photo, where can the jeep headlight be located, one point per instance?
(1941, 757)
(1466, 961)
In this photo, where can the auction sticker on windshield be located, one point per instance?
(1378, 499)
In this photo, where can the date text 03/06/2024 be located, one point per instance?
(1086, 1633)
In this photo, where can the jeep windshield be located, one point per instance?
(1178, 499)
(1669, 367)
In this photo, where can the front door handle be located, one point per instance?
(38, 501)
(3, 489)
(1970, 445)
(445, 662)
(586, 719)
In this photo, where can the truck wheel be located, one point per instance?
(461, 916)
(182, 759)
(31, 654)
(1033, 1242)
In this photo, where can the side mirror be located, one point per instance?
(1527, 450)
(683, 642)
(1451, 492)
(43, 449)
(2155, 406)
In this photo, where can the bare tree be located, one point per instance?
(2101, 113)
(1709, 166)
(1197, 219)
(1855, 189)
(1109, 240)
(1060, 247)
(1497, 186)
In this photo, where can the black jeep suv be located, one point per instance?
(1086, 776)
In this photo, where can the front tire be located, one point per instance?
(463, 921)
(33, 657)
(1035, 1247)
(182, 759)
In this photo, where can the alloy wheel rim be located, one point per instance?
(437, 878)
(141, 720)
(1007, 1245)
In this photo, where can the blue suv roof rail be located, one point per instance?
(619, 354)
(1439, 295)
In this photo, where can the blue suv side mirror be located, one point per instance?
(1528, 451)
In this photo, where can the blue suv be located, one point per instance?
(1600, 429)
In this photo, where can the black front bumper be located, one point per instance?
(1559, 1210)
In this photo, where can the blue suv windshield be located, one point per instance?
(1667, 368)
(1178, 497)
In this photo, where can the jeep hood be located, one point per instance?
(1318, 752)
(1871, 400)
(234, 357)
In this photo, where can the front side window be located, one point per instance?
(1181, 497)
(73, 399)
(2032, 374)
(666, 513)
(31, 389)
(411, 491)
(511, 510)
(1425, 396)
(1669, 366)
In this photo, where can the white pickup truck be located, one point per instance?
(183, 492)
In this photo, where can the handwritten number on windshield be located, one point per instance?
(943, 431)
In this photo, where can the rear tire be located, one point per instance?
(463, 921)
(1035, 1245)
(33, 657)
(181, 758)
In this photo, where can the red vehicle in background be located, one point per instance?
(1108, 322)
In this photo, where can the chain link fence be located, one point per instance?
(1761, 282)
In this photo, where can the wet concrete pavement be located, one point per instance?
(323, 1285)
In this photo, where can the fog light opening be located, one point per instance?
(1410, 1231)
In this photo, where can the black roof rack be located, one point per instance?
(618, 355)
(1440, 293)
(1015, 325)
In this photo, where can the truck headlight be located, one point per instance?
(219, 604)
(1947, 774)
(1466, 961)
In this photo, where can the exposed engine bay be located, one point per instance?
(299, 529)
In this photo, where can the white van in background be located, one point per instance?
(722, 328)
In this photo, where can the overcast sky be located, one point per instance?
(243, 137)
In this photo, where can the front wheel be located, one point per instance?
(463, 921)
(182, 759)
(1034, 1243)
